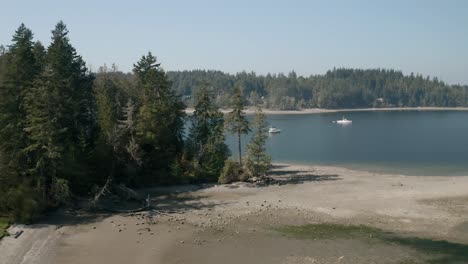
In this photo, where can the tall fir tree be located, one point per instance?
(206, 138)
(79, 110)
(258, 161)
(61, 117)
(18, 71)
(45, 134)
(236, 121)
(160, 120)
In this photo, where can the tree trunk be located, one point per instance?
(104, 188)
(239, 145)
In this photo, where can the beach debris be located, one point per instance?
(94, 227)
(18, 234)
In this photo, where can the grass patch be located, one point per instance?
(4, 224)
(439, 251)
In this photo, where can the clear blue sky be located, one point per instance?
(310, 37)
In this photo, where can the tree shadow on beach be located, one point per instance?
(162, 202)
(176, 203)
(299, 176)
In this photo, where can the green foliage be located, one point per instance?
(4, 224)
(338, 88)
(206, 138)
(258, 161)
(61, 192)
(48, 123)
(231, 172)
(236, 122)
(24, 203)
(19, 72)
(159, 120)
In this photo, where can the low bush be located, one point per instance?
(231, 172)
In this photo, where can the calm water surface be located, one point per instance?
(406, 142)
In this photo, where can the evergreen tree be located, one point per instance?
(61, 118)
(18, 68)
(160, 119)
(206, 137)
(69, 69)
(77, 115)
(46, 149)
(236, 122)
(258, 161)
(19, 74)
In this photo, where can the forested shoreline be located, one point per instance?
(338, 88)
(66, 132)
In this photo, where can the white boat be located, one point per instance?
(274, 130)
(343, 121)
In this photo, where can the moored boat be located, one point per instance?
(343, 121)
(274, 130)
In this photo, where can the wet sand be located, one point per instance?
(238, 223)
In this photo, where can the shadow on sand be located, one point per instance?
(298, 176)
(176, 199)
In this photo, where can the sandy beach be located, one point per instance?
(251, 111)
(241, 223)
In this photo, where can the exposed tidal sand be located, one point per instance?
(238, 223)
(306, 111)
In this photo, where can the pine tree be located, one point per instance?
(19, 74)
(258, 161)
(46, 149)
(77, 107)
(160, 119)
(18, 70)
(68, 68)
(61, 118)
(206, 138)
(236, 122)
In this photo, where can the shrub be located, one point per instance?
(61, 192)
(231, 172)
(24, 203)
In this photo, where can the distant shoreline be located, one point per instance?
(321, 110)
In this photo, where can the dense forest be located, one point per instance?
(338, 88)
(67, 132)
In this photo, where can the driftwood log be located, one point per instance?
(122, 191)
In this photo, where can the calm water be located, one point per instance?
(406, 142)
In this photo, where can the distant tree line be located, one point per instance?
(65, 131)
(338, 88)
